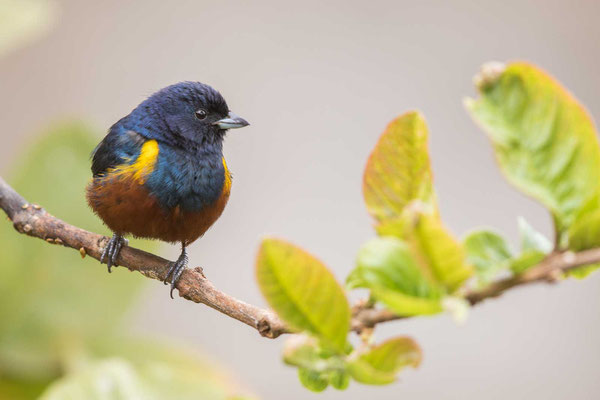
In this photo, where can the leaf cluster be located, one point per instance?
(545, 144)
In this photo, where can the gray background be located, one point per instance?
(319, 82)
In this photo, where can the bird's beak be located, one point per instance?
(232, 121)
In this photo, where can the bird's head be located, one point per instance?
(186, 113)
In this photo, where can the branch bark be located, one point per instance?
(32, 220)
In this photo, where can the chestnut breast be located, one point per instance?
(165, 194)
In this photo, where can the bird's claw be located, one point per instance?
(175, 270)
(112, 249)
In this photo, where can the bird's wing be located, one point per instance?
(116, 149)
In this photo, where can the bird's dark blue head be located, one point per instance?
(186, 114)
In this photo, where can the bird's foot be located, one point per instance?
(176, 269)
(111, 250)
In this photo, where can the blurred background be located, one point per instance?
(318, 82)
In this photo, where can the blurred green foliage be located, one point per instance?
(126, 368)
(22, 21)
(51, 299)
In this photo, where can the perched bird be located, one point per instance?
(159, 173)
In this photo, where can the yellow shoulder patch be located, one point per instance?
(144, 163)
(227, 184)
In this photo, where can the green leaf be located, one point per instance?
(312, 380)
(303, 292)
(526, 260)
(532, 239)
(438, 253)
(398, 191)
(51, 299)
(339, 379)
(302, 351)
(585, 231)
(394, 354)
(386, 266)
(377, 366)
(398, 171)
(544, 140)
(488, 252)
(380, 365)
(117, 379)
(318, 364)
(585, 234)
(583, 272)
(362, 372)
(111, 379)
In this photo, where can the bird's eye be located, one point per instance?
(201, 114)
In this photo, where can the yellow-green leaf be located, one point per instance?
(301, 351)
(488, 252)
(317, 365)
(526, 260)
(312, 380)
(584, 234)
(398, 191)
(118, 379)
(362, 372)
(162, 370)
(303, 292)
(339, 379)
(386, 266)
(394, 354)
(544, 140)
(583, 272)
(398, 171)
(438, 253)
(380, 365)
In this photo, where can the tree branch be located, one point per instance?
(34, 221)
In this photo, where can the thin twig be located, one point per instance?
(34, 221)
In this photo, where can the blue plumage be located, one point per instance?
(190, 180)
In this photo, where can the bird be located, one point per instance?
(159, 173)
